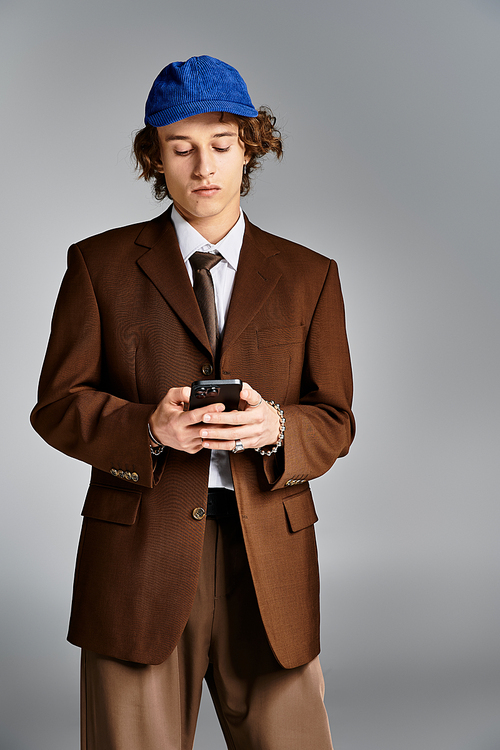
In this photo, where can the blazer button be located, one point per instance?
(198, 514)
(128, 476)
(114, 472)
(135, 476)
(207, 369)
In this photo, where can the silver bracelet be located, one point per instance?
(156, 450)
(279, 443)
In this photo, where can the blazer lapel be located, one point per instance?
(164, 266)
(256, 277)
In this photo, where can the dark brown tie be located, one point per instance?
(203, 286)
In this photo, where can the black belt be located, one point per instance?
(221, 504)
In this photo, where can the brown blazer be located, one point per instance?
(126, 328)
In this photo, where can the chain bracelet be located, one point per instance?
(279, 443)
(156, 450)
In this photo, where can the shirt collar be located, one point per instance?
(191, 241)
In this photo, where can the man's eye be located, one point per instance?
(221, 150)
(183, 153)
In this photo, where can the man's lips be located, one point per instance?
(206, 189)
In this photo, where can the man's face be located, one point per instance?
(202, 160)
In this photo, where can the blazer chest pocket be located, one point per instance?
(111, 504)
(283, 336)
(300, 510)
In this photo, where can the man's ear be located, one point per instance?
(159, 166)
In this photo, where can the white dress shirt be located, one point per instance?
(191, 241)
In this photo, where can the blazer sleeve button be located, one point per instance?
(114, 472)
(128, 476)
(135, 476)
(198, 514)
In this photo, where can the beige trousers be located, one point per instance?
(260, 705)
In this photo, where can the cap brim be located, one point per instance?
(188, 109)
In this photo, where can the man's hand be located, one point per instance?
(256, 424)
(177, 428)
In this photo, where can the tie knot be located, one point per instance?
(204, 261)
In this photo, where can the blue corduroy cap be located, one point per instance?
(201, 84)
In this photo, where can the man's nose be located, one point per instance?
(205, 166)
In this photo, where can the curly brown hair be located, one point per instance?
(259, 134)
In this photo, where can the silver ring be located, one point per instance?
(254, 406)
(238, 446)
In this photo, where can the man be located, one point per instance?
(197, 557)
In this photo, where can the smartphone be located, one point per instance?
(207, 392)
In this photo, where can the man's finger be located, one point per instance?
(231, 417)
(198, 415)
(179, 395)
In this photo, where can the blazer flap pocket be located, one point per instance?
(111, 504)
(300, 510)
(283, 336)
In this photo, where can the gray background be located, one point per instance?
(392, 116)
